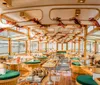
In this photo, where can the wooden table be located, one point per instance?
(13, 66)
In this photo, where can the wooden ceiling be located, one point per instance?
(46, 10)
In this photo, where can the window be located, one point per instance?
(18, 47)
(82, 46)
(90, 28)
(69, 46)
(49, 46)
(59, 46)
(42, 46)
(76, 46)
(54, 46)
(98, 47)
(21, 47)
(88, 46)
(15, 48)
(4, 47)
(64, 46)
(34, 46)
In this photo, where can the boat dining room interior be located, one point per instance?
(49, 42)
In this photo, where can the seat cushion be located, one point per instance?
(33, 62)
(43, 57)
(9, 75)
(61, 52)
(74, 58)
(76, 63)
(86, 80)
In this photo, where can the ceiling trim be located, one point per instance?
(71, 8)
(3, 14)
(4, 38)
(32, 7)
(93, 31)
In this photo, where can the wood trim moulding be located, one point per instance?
(18, 40)
(10, 46)
(4, 38)
(6, 17)
(23, 11)
(92, 31)
(9, 29)
(32, 7)
(73, 16)
(75, 36)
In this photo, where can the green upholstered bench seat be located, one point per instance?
(86, 80)
(33, 62)
(76, 63)
(9, 75)
(43, 57)
(74, 58)
(61, 52)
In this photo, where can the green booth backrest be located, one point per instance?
(61, 52)
(74, 58)
(76, 63)
(9, 75)
(86, 80)
(33, 62)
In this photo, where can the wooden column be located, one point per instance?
(67, 46)
(28, 42)
(74, 46)
(46, 46)
(9, 46)
(38, 45)
(79, 45)
(56, 46)
(71, 46)
(95, 47)
(85, 35)
(62, 46)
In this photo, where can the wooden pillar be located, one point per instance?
(38, 45)
(74, 46)
(9, 46)
(62, 46)
(79, 45)
(95, 47)
(46, 46)
(67, 46)
(56, 46)
(28, 43)
(85, 41)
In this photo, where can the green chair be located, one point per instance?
(76, 63)
(10, 78)
(32, 62)
(85, 80)
(74, 58)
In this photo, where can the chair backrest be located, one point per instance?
(2, 68)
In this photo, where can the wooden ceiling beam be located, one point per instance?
(4, 38)
(93, 31)
(9, 29)
(3, 16)
(74, 36)
(8, 3)
(19, 40)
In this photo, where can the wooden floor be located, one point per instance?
(65, 79)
